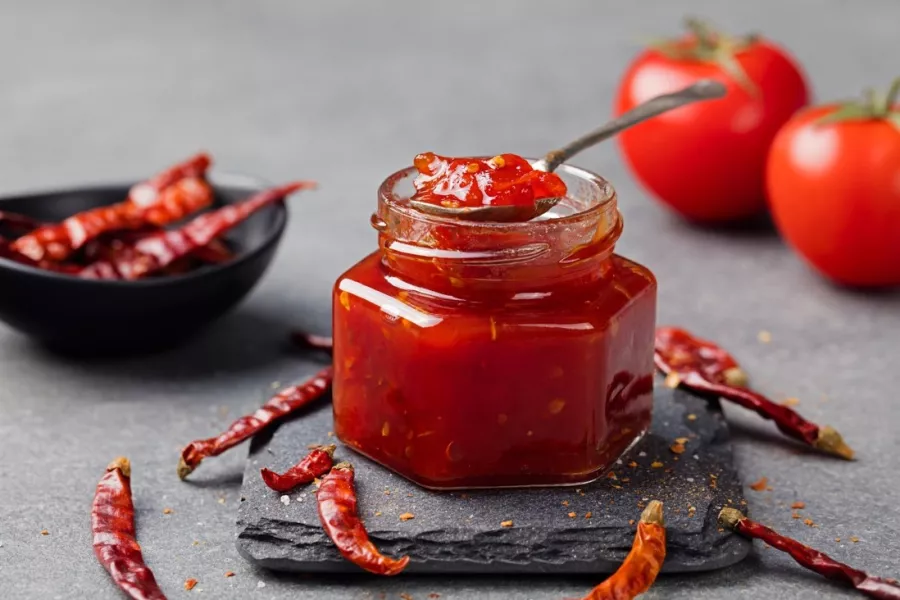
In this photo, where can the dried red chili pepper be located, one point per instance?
(157, 251)
(118, 245)
(166, 198)
(336, 498)
(707, 369)
(286, 402)
(8, 253)
(159, 209)
(311, 340)
(20, 224)
(214, 253)
(642, 565)
(315, 464)
(112, 525)
(818, 562)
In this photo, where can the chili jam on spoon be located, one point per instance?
(507, 188)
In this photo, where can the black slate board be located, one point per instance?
(454, 532)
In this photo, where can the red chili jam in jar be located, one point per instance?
(480, 354)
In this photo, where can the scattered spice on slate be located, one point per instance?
(286, 402)
(640, 568)
(818, 562)
(506, 523)
(229, 573)
(189, 584)
(700, 365)
(656, 464)
(572, 515)
(790, 402)
(798, 505)
(407, 516)
(337, 507)
(167, 511)
(44, 532)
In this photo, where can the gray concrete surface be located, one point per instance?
(345, 92)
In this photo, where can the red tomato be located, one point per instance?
(706, 161)
(834, 189)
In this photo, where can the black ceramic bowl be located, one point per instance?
(109, 317)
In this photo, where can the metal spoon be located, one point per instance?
(705, 89)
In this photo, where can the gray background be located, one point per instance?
(346, 92)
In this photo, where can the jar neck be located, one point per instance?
(461, 259)
(526, 272)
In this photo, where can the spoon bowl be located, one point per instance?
(496, 214)
(90, 316)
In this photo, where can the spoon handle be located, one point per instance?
(705, 89)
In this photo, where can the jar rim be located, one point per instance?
(607, 199)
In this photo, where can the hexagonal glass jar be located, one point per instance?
(473, 355)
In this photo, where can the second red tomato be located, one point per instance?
(706, 161)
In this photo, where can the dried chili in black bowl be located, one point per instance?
(82, 316)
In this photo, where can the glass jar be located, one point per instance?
(473, 355)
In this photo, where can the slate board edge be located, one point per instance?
(257, 543)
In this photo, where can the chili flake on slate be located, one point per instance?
(506, 524)
(759, 485)
(407, 516)
(798, 505)
(189, 584)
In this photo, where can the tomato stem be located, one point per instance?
(707, 37)
(892, 96)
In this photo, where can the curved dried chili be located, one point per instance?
(640, 568)
(157, 251)
(707, 369)
(287, 401)
(315, 464)
(818, 562)
(336, 498)
(112, 525)
(164, 199)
